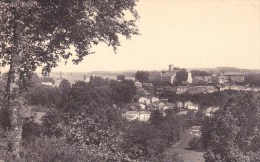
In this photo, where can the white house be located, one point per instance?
(137, 115)
(179, 104)
(47, 83)
(142, 106)
(138, 84)
(154, 99)
(186, 104)
(144, 100)
(211, 110)
(193, 107)
(183, 112)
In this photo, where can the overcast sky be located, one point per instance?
(185, 33)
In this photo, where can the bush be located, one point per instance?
(195, 144)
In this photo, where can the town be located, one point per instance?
(152, 86)
(129, 81)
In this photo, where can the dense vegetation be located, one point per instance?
(200, 73)
(252, 79)
(232, 134)
(142, 76)
(148, 141)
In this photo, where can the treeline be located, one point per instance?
(112, 92)
(200, 73)
(252, 79)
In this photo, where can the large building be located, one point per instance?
(169, 76)
(232, 77)
(137, 115)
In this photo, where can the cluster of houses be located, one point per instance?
(222, 78)
(143, 112)
(194, 89)
(238, 88)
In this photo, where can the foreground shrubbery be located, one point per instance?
(233, 134)
(86, 126)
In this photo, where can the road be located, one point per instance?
(181, 149)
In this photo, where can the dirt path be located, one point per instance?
(183, 153)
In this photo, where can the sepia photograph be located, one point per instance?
(129, 80)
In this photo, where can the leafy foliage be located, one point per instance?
(87, 117)
(199, 73)
(149, 141)
(253, 79)
(142, 76)
(44, 95)
(48, 28)
(232, 134)
(181, 76)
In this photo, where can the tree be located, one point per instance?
(87, 119)
(232, 134)
(65, 88)
(200, 73)
(156, 117)
(48, 79)
(122, 92)
(181, 76)
(142, 76)
(44, 95)
(37, 33)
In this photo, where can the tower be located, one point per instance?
(189, 80)
(171, 67)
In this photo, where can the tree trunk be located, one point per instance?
(12, 89)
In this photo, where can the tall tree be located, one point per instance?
(38, 33)
(141, 76)
(181, 76)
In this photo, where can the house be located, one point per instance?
(193, 107)
(165, 100)
(137, 115)
(160, 106)
(138, 84)
(47, 83)
(210, 89)
(170, 105)
(179, 104)
(195, 90)
(233, 77)
(144, 100)
(130, 78)
(183, 112)
(142, 106)
(37, 112)
(211, 110)
(181, 89)
(148, 86)
(154, 76)
(141, 91)
(186, 104)
(169, 77)
(154, 99)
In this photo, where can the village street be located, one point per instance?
(181, 148)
